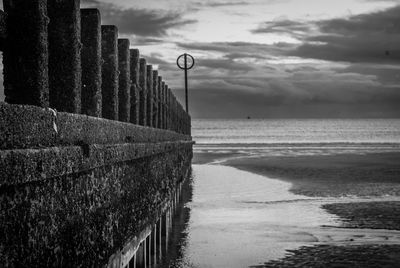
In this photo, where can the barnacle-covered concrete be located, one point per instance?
(74, 189)
(24, 126)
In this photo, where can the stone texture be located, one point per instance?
(109, 86)
(124, 87)
(25, 54)
(149, 98)
(134, 68)
(33, 127)
(134, 93)
(30, 165)
(65, 55)
(23, 126)
(81, 219)
(143, 92)
(91, 62)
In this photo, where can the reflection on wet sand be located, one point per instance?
(238, 219)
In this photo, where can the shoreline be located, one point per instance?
(336, 176)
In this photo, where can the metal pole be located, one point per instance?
(185, 67)
(186, 85)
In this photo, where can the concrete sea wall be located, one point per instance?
(73, 196)
(94, 146)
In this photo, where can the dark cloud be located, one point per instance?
(227, 64)
(142, 22)
(373, 37)
(244, 55)
(207, 103)
(145, 41)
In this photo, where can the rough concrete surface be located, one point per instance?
(23, 126)
(81, 219)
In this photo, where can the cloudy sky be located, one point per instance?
(271, 58)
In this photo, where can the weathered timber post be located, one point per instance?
(187, 123)
(172, 106)
(175, 115)
(149, 95)
(143, 92)
(134, 55)
(172, 110)
(155, 99)
(169, 107)
(65, 55)
(181, 119)
(159, 107)
(167, 110)
(124, 87)
(25, 54)
(163, 106)
(91, 62)
(179, 116)
(109, 85)
(183, 115)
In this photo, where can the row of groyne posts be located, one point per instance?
(59, 56)
(150, 247)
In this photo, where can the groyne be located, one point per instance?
(94, 147)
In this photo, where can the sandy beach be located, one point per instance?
(347, 176)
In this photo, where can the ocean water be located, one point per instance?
(295, 131)
(296, 136)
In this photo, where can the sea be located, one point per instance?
(234, 218)
(305, 136)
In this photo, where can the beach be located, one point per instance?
(293, 193)
(359, 184)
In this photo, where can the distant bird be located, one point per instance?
(248, 117)
(387, 53)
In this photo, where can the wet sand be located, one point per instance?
(327, 175)
(347, 176)
(327, 256)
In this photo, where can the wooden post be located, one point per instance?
(124, 87)
(109, 88)
(167, 108)
(91, 62)
(155, 99)
(25, 54)
(163, 108)
(65, 71)
(134, 55)
(149, 95)
(159, 108)
(143, 92)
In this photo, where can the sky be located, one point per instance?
(271, 58)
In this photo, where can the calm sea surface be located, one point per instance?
(284, 131)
